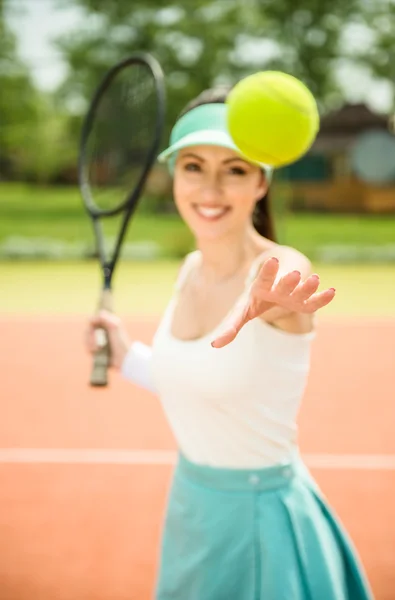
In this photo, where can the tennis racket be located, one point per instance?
(120, 140)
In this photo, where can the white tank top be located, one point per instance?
(236, 406)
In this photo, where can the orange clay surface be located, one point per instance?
(73, 528)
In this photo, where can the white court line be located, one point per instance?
(87, 456)
(379, 462)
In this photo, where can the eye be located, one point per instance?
(192, 167)
(238, 171)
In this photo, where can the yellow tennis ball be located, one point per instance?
(272, 117)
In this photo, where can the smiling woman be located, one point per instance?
(245, 519)
(207, 126)
(214, 185)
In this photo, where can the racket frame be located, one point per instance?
(102, 357)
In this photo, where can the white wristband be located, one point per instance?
(136, 366)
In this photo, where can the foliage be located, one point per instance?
(219, 41)
(35, 135)
(18, 109)
(199, 44)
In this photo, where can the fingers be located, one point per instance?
(105, 319)
(90, 341)
(300, 296)
(267, 274)
(303, 291)
(101, 337)
(230, 332)
(225, 338)
(287, 283)
(319, 300)
(95, 336)
(305, 297)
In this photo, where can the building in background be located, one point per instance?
(326, 179)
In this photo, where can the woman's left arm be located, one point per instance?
(284, 293)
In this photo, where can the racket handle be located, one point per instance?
(102, 358)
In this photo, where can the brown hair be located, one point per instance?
(262, 217)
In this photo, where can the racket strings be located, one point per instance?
(121, 136)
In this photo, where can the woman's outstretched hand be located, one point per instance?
(289, 293)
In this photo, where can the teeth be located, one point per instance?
(210, 213)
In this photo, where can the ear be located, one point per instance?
(262, 186)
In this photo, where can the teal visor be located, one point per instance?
(204, 125)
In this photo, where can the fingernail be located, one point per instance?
(275, 259)
(333, 289)
(296, 273)
(315, 275)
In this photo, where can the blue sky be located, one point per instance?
(38, 22)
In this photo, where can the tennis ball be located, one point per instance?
(272, 117)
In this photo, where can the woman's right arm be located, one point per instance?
(136, 366)
(133, 360)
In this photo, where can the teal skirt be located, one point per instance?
(266, 534)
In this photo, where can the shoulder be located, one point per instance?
(290, 259)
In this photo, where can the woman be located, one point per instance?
(229, 361)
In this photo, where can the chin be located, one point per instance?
(210, 234)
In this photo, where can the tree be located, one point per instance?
(378, 55)
(34, 137)
(211, 41)
(17, 99)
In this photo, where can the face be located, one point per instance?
(215, 190)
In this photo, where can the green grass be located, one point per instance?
(310, 231)
(57, 213)
(144, 288)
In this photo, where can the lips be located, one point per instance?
(211, 213)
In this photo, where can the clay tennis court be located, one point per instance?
(84, 473)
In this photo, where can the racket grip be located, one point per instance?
(101, 358)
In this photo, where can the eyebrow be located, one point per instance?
(191, 155)
(226, 161)
(238, 158)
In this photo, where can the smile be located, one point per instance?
(211, 213)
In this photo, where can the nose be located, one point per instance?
(211, 189)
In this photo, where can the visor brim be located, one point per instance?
(206, 137)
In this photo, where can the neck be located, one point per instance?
(227, 257)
